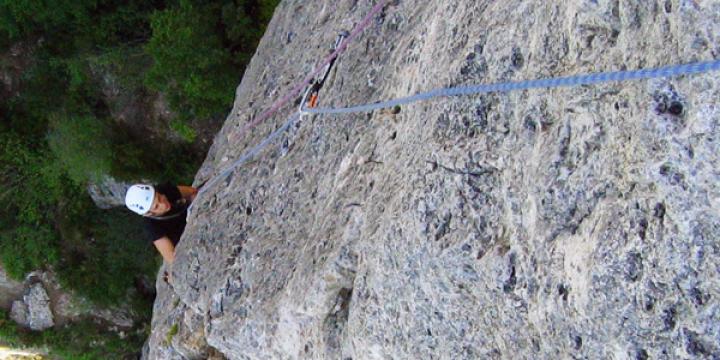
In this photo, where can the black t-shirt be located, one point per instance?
(171, 224)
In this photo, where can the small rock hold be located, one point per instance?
(675, 108)
(669, 318)
(665, 169)
(668, 103)
(697, 296)
(530, 124)
(512, 279)
(642, 229)
(661, 107)
(633, 269)
(563, 291)
(695, 345)
(649, 303)
(577, 340)
(517, 59)
(659, 211)
(674, 176)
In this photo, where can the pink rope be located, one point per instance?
(297, 89)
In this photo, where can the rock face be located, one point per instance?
(69, 307)
(41, 294)
(108, 194)
(34, 311)
(10, 289)
(39, 315)
(566, 223)
(19, 312)
(177, 332)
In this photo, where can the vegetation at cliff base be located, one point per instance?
(77, 341)
(80, 81)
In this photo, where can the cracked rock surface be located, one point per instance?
(576, 222)
(34, 311)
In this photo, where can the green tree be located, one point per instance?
(243, 24)
(190, 64)
(105, 259)
(23, 17)
(32, 184)
(56, 133)
(81, 144)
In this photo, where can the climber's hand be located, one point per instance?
(167, 277)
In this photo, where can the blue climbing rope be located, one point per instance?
(250, 153)
(585, 79)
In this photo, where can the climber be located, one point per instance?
(164, 208)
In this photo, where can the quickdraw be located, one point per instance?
(311, 95)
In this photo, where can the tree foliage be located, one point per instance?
(102, 264)
(190, 64)
(32, 184)
(197, 44)
(81, 145)
(23, 17)
(57, 132)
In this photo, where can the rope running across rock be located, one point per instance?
(554, 82)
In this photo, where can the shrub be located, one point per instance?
(160, 160)
(81, 144)
(182, 128)
(27, 248)
(4, 40)
(32, 184)
(244, 23)
(22, 17)
(125, 64)
(111, 253)
(190, 64)
(171, 333)
(79, 341)
(195, 57)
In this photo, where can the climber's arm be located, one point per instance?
(166, 249)
(188, 192)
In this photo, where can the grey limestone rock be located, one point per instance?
(19, 312)
(10, 290)
(40, 301)
(67, 306)
(34, 311)
(109, 193)
(574, 222)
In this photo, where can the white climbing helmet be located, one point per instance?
(139, 198)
